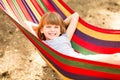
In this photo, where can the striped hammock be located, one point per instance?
(87, 39)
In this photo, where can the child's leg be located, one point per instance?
(108, 58)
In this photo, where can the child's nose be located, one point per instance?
(52, 29)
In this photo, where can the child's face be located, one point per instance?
(51, 31)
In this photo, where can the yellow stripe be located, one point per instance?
(9, 10)
(90, 32)
(66, 13)
(33, 10)
(61, 75)
(98, 35)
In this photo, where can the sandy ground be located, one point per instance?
(20, 60)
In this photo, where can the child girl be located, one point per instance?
(53, 31)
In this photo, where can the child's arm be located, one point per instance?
(34, 26)
(71, 21)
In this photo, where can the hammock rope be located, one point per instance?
(87, 39)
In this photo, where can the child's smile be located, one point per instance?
(51, 31)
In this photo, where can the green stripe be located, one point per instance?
(75, 63)
(81, 49)
(42, 6)
(18, 10)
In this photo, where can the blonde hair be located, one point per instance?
(50, 18)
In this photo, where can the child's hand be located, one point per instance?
(32, 25)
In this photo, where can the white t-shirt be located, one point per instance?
(61, 44)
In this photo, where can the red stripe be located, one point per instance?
(48, 5)
(25, 12)
(14, 10)
(96, 28)
(38, 8)
(66, 6)
(95, 48)
(87, 24)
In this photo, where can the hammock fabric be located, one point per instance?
(87, 39)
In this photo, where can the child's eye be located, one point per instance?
(48, 26)
(56, 26)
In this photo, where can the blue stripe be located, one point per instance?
(30, 11)
(57, 9)
(98, 42)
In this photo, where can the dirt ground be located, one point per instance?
(20, 60)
